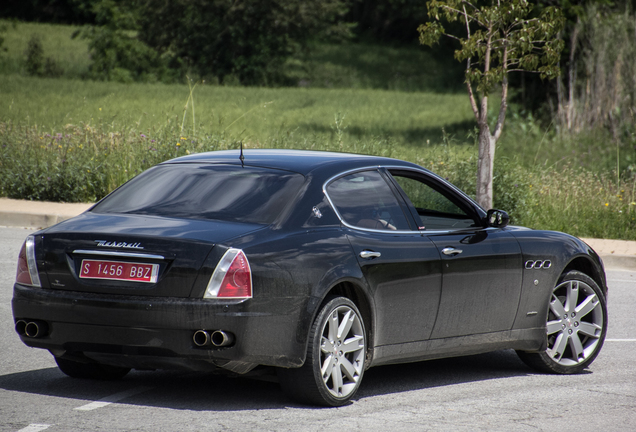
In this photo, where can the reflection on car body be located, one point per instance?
(318, 264)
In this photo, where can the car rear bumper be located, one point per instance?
(157, 332)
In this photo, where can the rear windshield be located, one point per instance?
(219, 192)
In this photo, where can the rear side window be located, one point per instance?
(365, 200)
(204, 191)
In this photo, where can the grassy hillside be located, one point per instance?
(250, 114)
(68, 139)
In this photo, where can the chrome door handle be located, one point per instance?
(367, 254)
(451, 251)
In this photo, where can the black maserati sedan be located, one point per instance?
(316, 265)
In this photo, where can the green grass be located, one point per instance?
(249, 114)
(74, 140)
(373, 66)
(84, 162)
(596, 151)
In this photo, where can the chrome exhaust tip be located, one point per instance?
(201, 338)
(219, 338)
(36, 329)
(20, 325)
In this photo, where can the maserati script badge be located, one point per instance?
(106, 243)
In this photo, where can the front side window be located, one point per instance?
(365, 200)
(435, 209)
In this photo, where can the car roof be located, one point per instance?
(300, 161)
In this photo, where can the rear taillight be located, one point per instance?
(232, 277)
(27, 273)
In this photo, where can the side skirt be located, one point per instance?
(532, 339)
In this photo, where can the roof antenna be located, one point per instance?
(241, 157)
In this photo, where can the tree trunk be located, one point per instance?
(485, 166)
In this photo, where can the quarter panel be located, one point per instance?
(303, 265)
(561, 250)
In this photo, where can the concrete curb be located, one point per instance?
(616, 254)
(619, 262)
(37, 214)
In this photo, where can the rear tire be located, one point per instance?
(576, 326)
(336, 354)
(96, 371)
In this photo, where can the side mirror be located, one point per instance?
(497, 218)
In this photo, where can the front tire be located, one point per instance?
(336, 354)
(576, 326)
(96, 371)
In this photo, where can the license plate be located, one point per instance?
(117, 270)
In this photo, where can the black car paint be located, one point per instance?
(297, 262)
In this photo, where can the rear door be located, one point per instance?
(401, 267)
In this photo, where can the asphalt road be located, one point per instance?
(494, 392)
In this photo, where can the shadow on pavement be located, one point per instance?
(209, 392)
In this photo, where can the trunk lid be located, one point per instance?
(132, 254)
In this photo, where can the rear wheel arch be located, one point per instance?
(359, 297)
(336, 355)
(356, 294)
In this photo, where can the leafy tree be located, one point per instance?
(499, 37)
(117, 53)
(244, 40)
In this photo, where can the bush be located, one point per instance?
(84, 163)
(117, 55)
(3, 28)
(37, 64)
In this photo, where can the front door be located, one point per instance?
(481, 267)
(481, 285)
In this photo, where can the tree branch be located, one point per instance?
(464, 13)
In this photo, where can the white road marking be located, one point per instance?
(112, 398)
(34, 427)
(620, 340)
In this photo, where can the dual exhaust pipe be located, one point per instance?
(31, 329)
(217, 338)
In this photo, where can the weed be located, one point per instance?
(338, 128)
